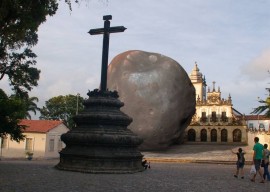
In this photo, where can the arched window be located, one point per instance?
(203, 135)
(224, 135)
(213, 135)
(191, 135)
(237, 135)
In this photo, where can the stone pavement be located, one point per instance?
(210, 174)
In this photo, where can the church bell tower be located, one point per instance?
(199, 83)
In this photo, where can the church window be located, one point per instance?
(214, 117)
(213, 135)
(261, 126)
(224, 135)
(224, 118)
(203, 135)
(191, 135)
(250, 125)
(51, 145)
(29, 144)
(203, 118)
(237, 135)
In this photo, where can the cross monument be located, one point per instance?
(101, 142)
(105, 50)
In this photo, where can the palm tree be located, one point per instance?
(31, 106)
(262, 108)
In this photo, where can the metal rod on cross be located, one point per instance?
(105, 50)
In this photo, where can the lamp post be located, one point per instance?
(77, 108)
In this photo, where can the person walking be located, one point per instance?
(266, 154)
(257, 158)
(240, 163)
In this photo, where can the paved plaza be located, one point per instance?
(199, 154)
(179, 174)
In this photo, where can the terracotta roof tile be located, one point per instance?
(256, 117)
(39, 126)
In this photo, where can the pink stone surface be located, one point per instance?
(157, 93)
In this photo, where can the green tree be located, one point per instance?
(29, 103)
(31, 106)
(12, 109)
(263, 108)
(62, 108)
(19, 22)
(266, 105)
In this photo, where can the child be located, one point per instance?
(239, 163)
(266, 154)
(145, 164)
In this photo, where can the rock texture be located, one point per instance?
(157, 93)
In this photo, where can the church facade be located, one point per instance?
(215, 120)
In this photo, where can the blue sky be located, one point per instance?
(229, 39)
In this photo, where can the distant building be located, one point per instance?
(258, 126)
(42, 137)
(257, 122)
(215, 120)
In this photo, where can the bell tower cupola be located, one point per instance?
(198, 82)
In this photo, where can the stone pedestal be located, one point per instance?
(101, 142)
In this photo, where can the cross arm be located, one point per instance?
(111, 30)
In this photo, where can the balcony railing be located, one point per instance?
(224, 119)
(213, 119)
(203, 119)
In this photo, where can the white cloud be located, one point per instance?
(258, 68)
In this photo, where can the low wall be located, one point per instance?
(264, 137)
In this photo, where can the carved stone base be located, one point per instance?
(101, 142)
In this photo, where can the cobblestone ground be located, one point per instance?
(40, 175)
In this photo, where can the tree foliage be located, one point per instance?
(19, 22)
(62, 108)
(263, 108)
(31, 106)
(12, 109)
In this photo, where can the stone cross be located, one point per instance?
(105, 50)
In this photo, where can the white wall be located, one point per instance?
(55, 135)
(264, 137)
(255, 123)
(40, 144)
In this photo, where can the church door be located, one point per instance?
(213, 135)
(237, 135)
(191, 135)
(203, 135)
(224, 135)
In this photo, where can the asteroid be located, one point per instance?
(158, 95)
